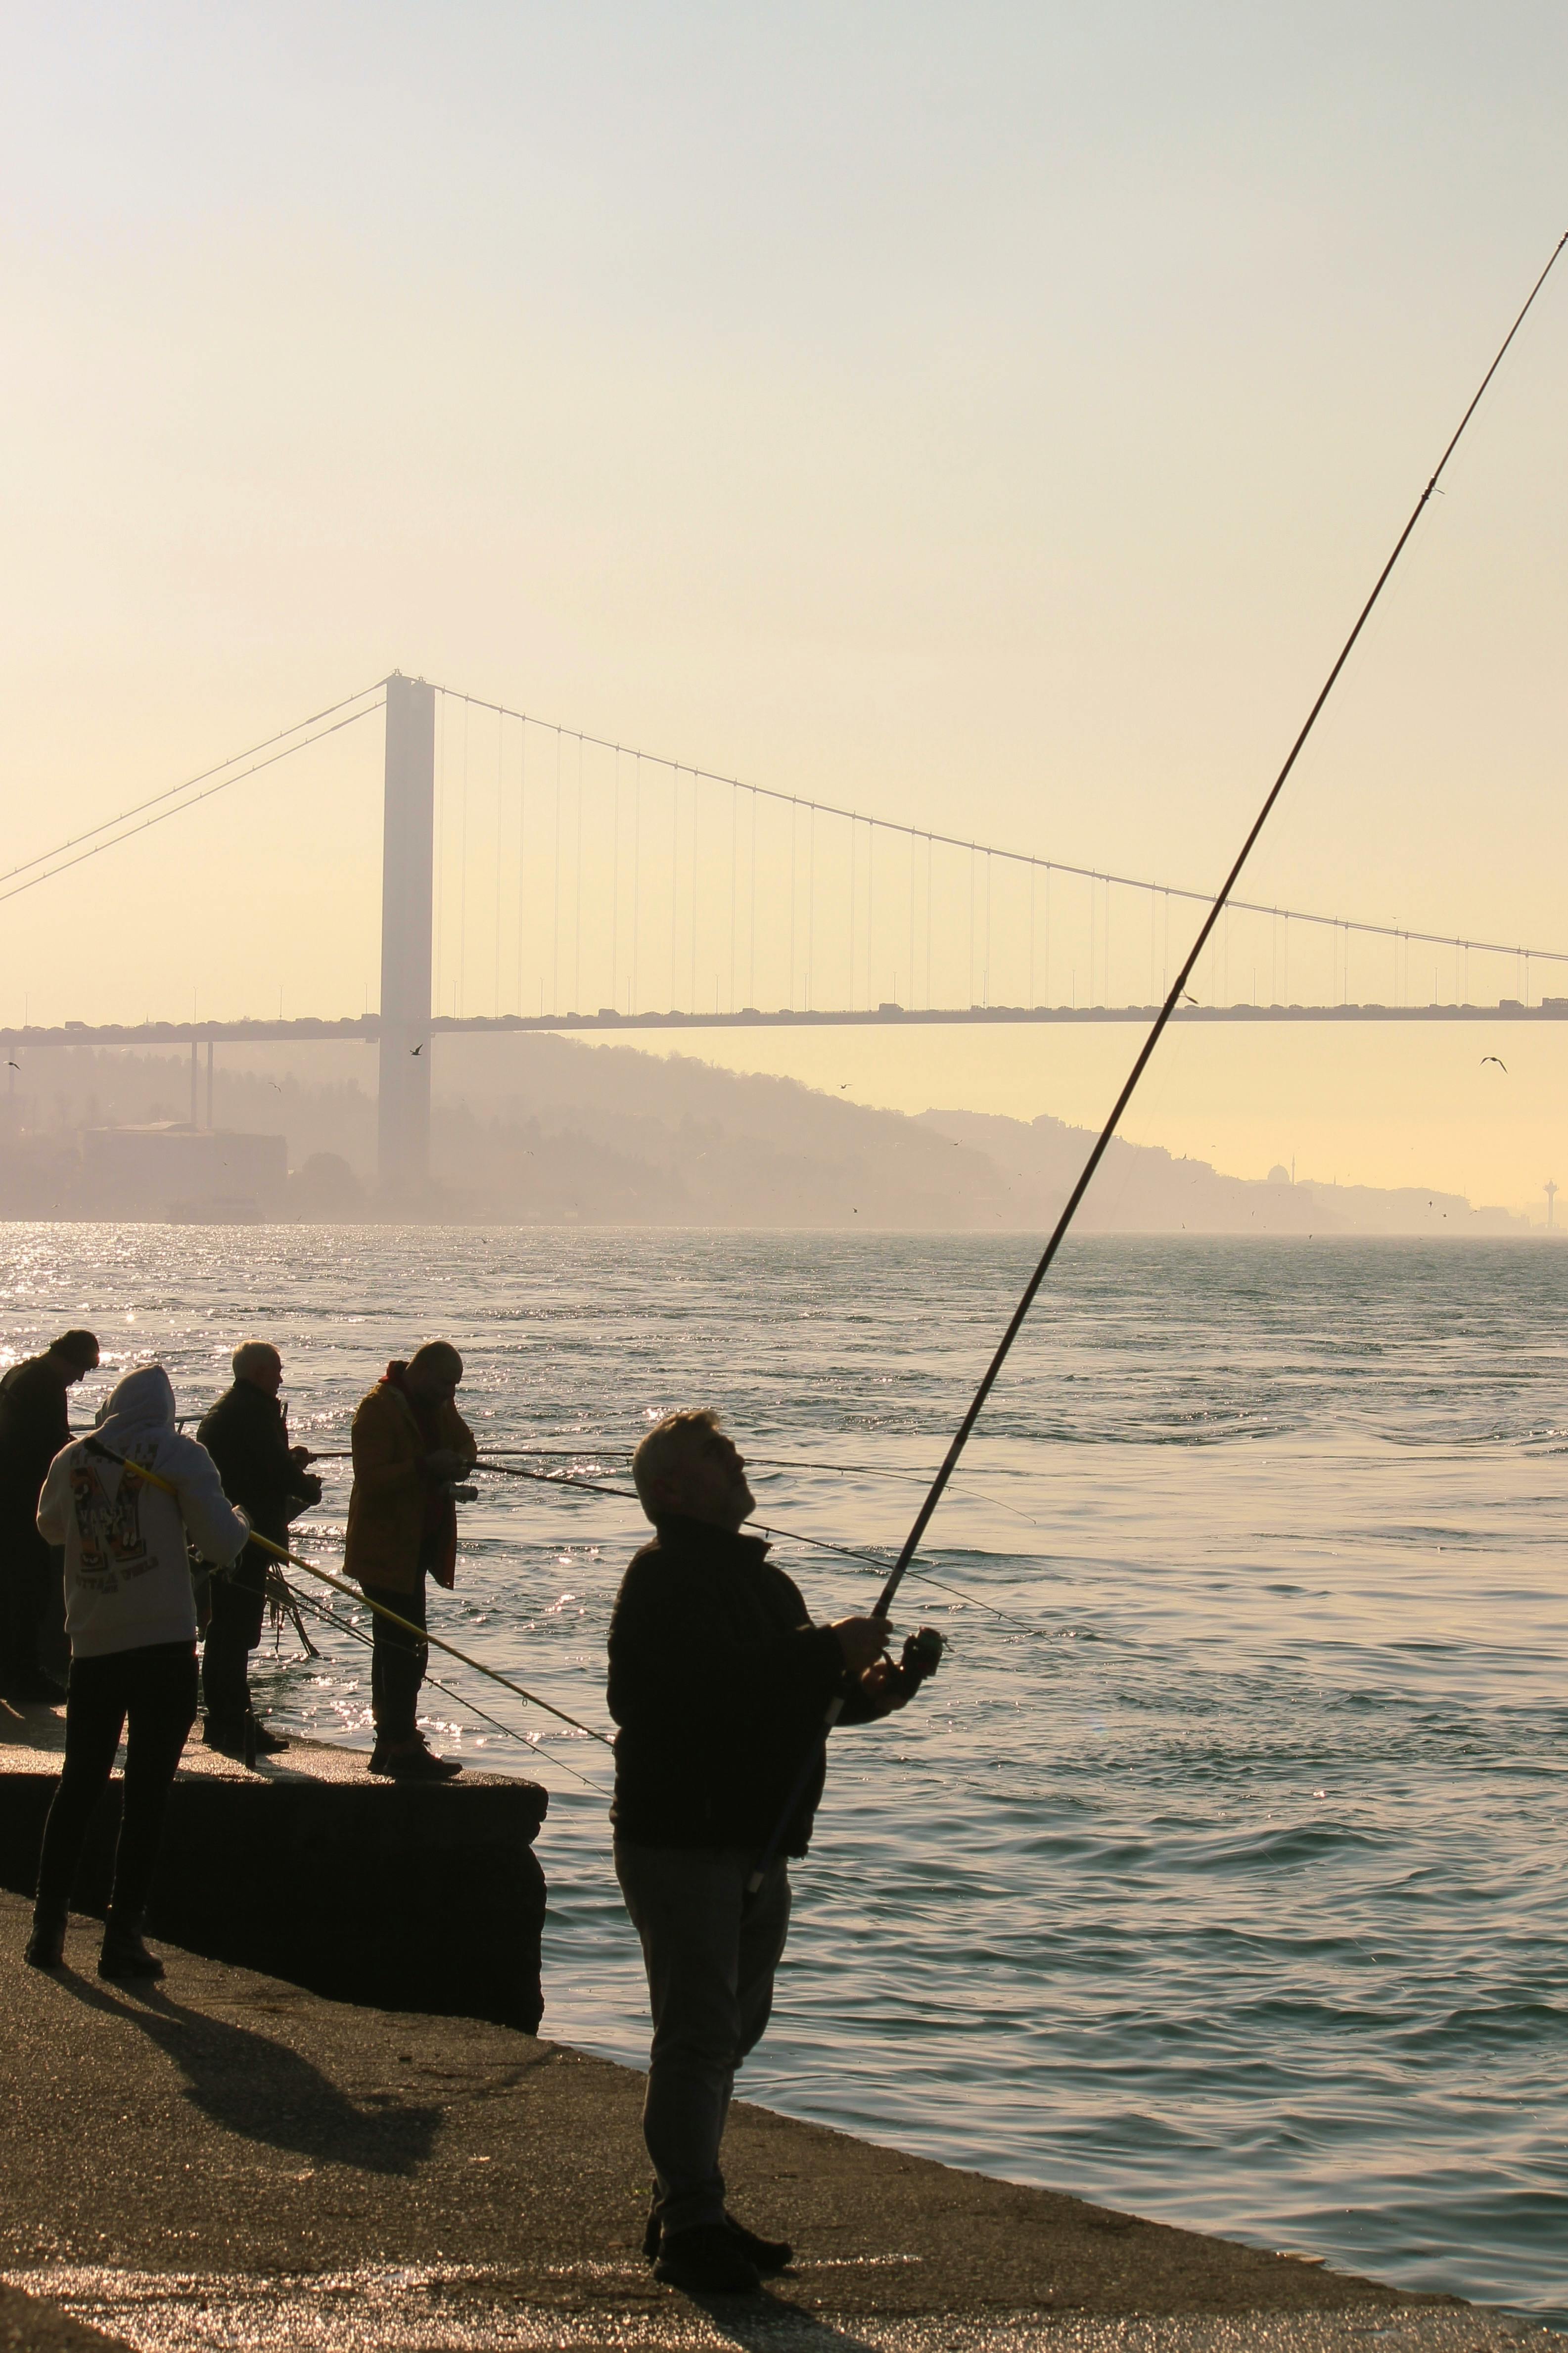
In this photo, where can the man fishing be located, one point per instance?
(409, 1444)
(719, 1682)
(35, 1423)
(247, 1434)
(132, 1622)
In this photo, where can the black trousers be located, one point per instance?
(153, 1693)
(238, 1602)
(397, 1662)
(32, 1602)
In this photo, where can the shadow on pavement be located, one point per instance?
(262, 2091)
(766, 2325)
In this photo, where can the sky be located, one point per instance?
(989, 419)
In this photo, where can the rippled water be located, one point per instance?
(1229, 1888)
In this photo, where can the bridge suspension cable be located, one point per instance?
(94, 847)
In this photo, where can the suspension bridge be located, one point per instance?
(536, 877)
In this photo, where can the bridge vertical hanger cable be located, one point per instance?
(521, 850)
(463, 872)
(578, 895)
(500, 803)
(616, 890)
(632, 1000)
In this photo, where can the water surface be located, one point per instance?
(1229, 1886)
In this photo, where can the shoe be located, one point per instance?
(225, 1734)
(412, 1761)
(707, 2261)
(36, 1689)
(47, 1945)
(267, 1743)
(768, 2254)
(124, 1954)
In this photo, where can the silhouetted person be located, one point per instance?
(130, 1613)
(34, 1425)
(247, 1434)
(719, 1683)
(409, 1444)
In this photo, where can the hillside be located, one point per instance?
(542, 1129)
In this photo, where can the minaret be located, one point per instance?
(1551, 1197)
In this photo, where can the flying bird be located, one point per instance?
(1498, 1059)
(419, 1049)
(1189, 999)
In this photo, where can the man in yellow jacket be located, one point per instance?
(409, 1444)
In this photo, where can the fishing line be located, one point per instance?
(759, 1462)
(788, 1535)
(1103, 1142)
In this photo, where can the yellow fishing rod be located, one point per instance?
(420, 1633)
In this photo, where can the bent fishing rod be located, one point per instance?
(326, 1617)
(353, 1593)
(562, 1482)
(1141, 1062)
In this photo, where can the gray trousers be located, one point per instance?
(710, 1953)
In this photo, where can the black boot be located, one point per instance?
(768, 2254)
(124, 1954)
(707, 2260)
(47, 1945)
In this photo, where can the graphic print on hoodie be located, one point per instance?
(110, 1527)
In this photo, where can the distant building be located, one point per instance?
(183, 1175)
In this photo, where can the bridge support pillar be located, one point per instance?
(408, 826)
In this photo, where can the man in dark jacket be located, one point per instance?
(719, 1683)
(34, 1426)
(247, 1434)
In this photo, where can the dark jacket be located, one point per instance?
(248, 1438)
(719, 1682)
(35, 1423)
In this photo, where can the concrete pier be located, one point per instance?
(406, 1895)
(226, 2162)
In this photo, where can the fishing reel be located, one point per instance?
(918, 1660)
(457, 1492)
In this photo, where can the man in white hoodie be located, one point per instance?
(132, 1619)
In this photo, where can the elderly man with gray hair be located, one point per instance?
(247, 1434)
(719, 1683)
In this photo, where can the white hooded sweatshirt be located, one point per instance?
(128, 1583)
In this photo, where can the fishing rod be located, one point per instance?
(788, 1535)
(408, 1625)
(1101, 1144)
(326, 1617)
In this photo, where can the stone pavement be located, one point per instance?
(224, 2161)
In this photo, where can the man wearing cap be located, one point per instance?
(247, 1434)
(34, 1426)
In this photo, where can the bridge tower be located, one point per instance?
(407, 874)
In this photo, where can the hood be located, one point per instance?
(139, 1409)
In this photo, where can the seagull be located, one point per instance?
(419, 1049)
(1498, 1059)
(13, 1066)
(1191, 999)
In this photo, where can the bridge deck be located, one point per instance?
(367, 1028)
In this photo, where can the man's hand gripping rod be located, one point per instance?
(1102, 1142)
